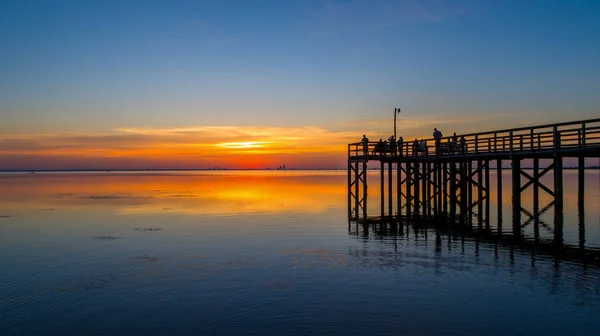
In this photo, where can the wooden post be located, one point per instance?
(365, 194)
(463, 192)
(440, 187)
(399, 188)
(469, 192)
(516, 195)
(382, 170)
(445, 188)
(536, 199)
(417, 187)
(424, 190)
(480, 193)
(581, 183)
(580, 200)
(487, 194)
(429, 187)
(349, 189)
(409, 184)
(356, 198)
(499, 193)
(390, 189)
(453, 192)
(558, 190)
(435, 190)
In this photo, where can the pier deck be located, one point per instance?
(569, 139)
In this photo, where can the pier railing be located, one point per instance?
(560, 137)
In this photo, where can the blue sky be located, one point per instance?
(99, 66)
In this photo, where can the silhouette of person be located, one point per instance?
(415, 147)
(392, 145)
(400, 143)
(463, 145)
(454, 145)
(437, 135)
(365, 143)
(423, 147)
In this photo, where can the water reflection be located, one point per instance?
(154, 193)
(551, 250)
(431, 248)
(255, 253)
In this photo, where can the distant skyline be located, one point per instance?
(256, 84)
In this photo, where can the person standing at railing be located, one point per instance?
(415, 147)
(400, 143)
(392, 145)
(437, 135)
(423, 148)
(463, 145)
(454, 144)
(379, 147)
(365, 143)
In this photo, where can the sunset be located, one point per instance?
(299, 167)
(127, 84)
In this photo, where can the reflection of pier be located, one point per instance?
(451, 180)
(381, 229)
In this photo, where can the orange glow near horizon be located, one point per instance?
(185, 193)
(201, 147)
(242, 147)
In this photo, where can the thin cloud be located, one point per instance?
(360, 15)
(157, 142)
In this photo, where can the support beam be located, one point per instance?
(558, 200)
(580, 201)
(399, 188)
(536, 199)
(349, 189)
(390, 190)
(428, 184)
(480, 193)
(469, 183)
(453, 192)
(356, 197)
(417, 189)
(487, 194)
(445, 188)
(382, 187)
(365, 194)
(424, 187)
(435, 194)
(499, 193)
(516, 195)
(409, 185)
(463, 192)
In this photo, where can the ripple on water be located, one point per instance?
(106, 237)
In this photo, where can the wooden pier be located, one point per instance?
(450, 180)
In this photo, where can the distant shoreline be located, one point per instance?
(210, 170)
(154, 170)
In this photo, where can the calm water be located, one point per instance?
(229, 253)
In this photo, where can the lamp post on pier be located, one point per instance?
(396, 112)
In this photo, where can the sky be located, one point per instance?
(257, 84)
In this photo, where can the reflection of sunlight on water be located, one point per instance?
(132, 194)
